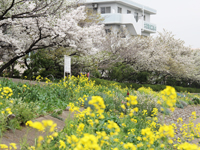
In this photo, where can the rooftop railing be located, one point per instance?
(149, 26)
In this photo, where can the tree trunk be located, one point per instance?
(10, 62)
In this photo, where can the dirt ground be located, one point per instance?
(24, 81)
(27, 134)
(185, 114)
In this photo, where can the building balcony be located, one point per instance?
(134, 28)
(149, 27)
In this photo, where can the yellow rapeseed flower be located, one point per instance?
(37, 125)
(3, 146)
(129, 145)
(47, 123)
(136, 109)
(13, 145)
(140, 144)
(62, 144)
(40, 139)
(162, 145)
(55, 134)
(123, 106)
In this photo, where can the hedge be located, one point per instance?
(135, 86)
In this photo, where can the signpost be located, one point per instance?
(67, 65)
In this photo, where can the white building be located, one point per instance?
(134, 16)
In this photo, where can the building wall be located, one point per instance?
(147, 17)
(115, 21)
(112, 5)
(125, 8)
(145, 34)
(114, 9)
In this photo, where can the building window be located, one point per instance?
(136, 16)
(108, 31)
(119, 10)
(105, 10)
(144, 18)
(128, 12)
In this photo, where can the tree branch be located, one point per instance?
(2, 16)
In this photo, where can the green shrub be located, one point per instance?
(179, 105)
(146, 102)
(24, 111)
(86, 103)
(96, 73)
(142, 77)
(135, 86)
(121, 72)
(196, 100)
(190, 102)
(183, 103)
(164, 111)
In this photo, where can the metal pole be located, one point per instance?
(64, 68)
(142, 29)
(143, 17)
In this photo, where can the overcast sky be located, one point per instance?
(181, 17)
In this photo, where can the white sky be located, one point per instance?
(181, 17)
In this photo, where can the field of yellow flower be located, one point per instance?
(114, 118)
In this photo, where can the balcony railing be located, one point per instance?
(149, 26)
(134, 27)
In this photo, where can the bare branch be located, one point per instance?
(12, 4)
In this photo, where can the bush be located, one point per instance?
(86, 103)
(136, 86)
(196, 100)
(142, 77)
(179, 105)
(96, 73)
(183, 103)
(120, 72)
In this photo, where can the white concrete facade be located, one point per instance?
(117, 13)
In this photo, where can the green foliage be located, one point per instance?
(3, 123)
(137, 86)
(146, 102)
(45, 62)
(49, 98)
(86, 103)
(196, 100)
(179, 105)
(20, 113)
(13, 124)
(24, 111)
(142, 77)
(183, 103)
(164, 110)
(37, 99)
(95, 73)
(190, 102)
(56, 116)
(120, 72)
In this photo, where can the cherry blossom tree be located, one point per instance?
(29, 25)
(168, 56)
(163, 54)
